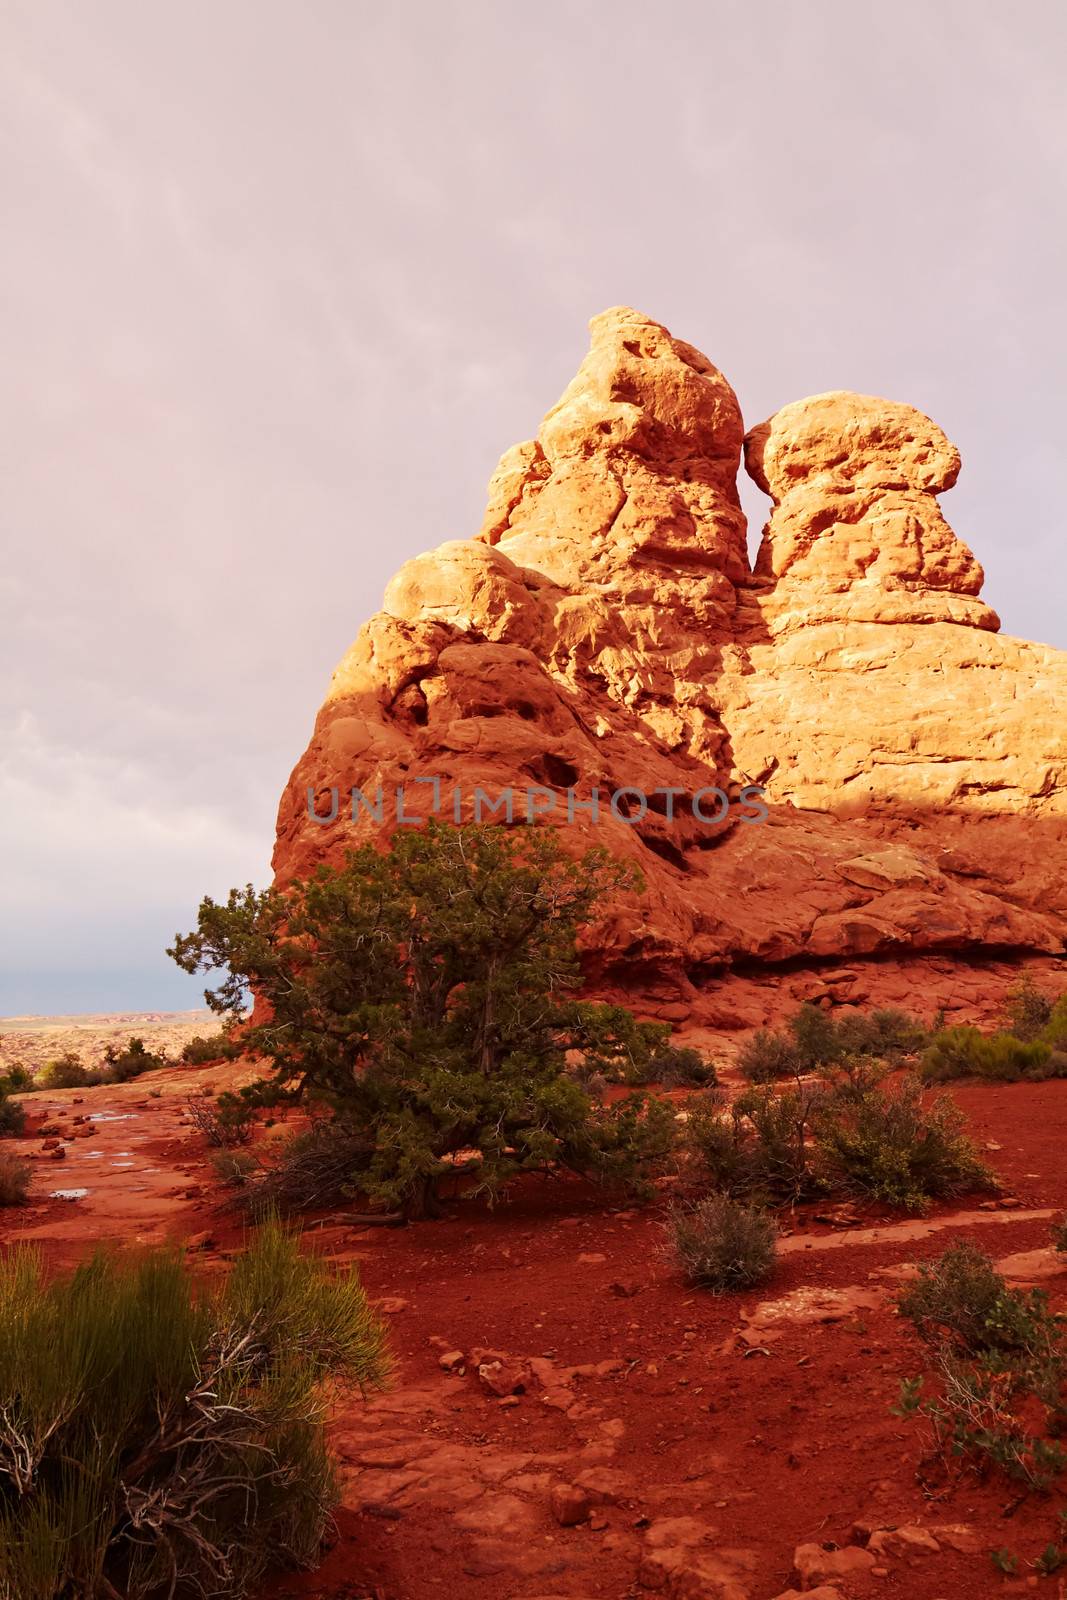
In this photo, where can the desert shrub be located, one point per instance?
(886, 1033)
(426, 998)
(721, 1243)
(1054, 1032)
(756, 1148)
(16, 1079)
(886, 1145)
(767, 1056)
(999, 1362)
(961, 1300)
(1059, 1235)
(200, 1050)
(15, 1176)
(1026, 1010)
(715, 1139)
(226, 1122)
(675, 1066)
(964, 1052)
(234, 1167)
(121, 1066)
(814, 1040)
(156, 1439)
(65, 1072)
(622, 1145)
(12, 1117)
(317, 1167)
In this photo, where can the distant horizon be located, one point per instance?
(269, 325)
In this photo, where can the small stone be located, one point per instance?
(451, 1361)
(58, 1154)
(504, 1377)
(813, 1564)
(570, 1505)
(904, 1543)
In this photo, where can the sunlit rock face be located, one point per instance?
(604, 631)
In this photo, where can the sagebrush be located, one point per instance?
(999, 1363)
(722, 1244)
(156, 1439)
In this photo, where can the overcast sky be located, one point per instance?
(282, 280)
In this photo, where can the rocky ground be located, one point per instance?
(567, 1419)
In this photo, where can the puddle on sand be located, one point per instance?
(68, 1194)
(112, 1116)
(124, 1163)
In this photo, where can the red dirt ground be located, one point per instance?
(721, 1448)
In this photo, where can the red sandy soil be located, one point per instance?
(720, 1435)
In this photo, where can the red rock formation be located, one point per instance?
(605, 631)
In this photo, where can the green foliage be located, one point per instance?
(120, 1066)
(767, 1056)
(675, 1067)
(159, 1440)
(1026, 1010)
(1051, 1559)
(815, 1040)
(1059, 1235)
(723, 1244)
(17, 1079)
(999, 1359)
(888, 1146)
(960, 1300)
(15, 1177)
(1005, 1561)
(426, 997)
(65, 1072)
(200, 1051)
(963, 1052)
(848, 1132)
(234, 1167)
(756, 1148)
(229, 1121)
(1054, 1032)
(12, 1117)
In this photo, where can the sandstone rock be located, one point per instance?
(504, 1377)
(605, 631)
(570, 1504)
(825, 1591)
(678, 1558)
(451, 1360)
(903, 1543)
(814, 1564)
(1033, 1266)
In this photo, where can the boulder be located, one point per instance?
(606, 632)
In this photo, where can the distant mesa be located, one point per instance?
(605, 628)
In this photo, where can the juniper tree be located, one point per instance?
(428, 997)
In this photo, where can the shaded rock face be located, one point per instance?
(604, 631)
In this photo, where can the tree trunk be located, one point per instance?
(423, 1202)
